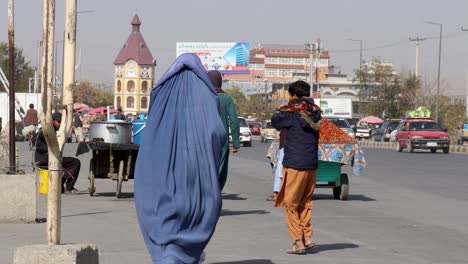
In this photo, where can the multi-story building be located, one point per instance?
(282, 64)
(133, 73)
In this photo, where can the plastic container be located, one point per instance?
(138, 129)
(44, 182)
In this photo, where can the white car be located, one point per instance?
(245, 136)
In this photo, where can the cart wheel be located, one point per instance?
(341, 192)
(120, 179)
(91, 187)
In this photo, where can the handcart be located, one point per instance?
(329, 176)
(332, 157)
(110, 161)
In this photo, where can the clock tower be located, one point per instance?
(133, 73)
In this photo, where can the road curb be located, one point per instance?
(392, 145)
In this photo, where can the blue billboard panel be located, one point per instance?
(226, 57)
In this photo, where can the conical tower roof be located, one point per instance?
(135, 47)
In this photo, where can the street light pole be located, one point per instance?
(360, 73)
(438, 69)
(311, 48)
(418, 40)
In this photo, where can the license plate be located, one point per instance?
(432, 144)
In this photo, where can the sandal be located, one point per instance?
(272, 197)
(310, 245)
(294, 250)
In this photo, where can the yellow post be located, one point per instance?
(43, 182)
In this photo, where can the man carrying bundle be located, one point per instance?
(302, 119)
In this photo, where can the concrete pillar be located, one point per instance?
(18, 198)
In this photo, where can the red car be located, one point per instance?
(255, 128)
(422, 133)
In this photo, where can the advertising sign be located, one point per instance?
(337, 107)
(226, 57)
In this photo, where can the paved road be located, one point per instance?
(406, 208)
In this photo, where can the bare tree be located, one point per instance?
(55, 141)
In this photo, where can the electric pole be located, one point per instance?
(311, 49)
(11, 73)
(417, 40)
(438, 69)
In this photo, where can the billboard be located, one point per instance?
(337, 107)
(226, 57)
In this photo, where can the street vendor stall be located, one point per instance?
(109, 161)
(336, 148)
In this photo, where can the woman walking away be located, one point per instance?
(177, 195)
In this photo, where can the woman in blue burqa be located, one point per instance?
(177, 196)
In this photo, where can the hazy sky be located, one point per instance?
(384, 27)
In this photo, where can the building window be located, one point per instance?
(130, 86)
(119, 102)
(144, 102)
(144, 87)
(130, 102)
(119, 86)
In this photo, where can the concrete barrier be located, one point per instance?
(18, 198)
(392, 145)
(57, 254)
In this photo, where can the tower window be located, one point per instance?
(144, 102)
(130, 86)
(119, 102)
(130, 102)
(119, 86)
(144, 87)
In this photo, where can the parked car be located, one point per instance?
(362, 131)
(343, 124)
(463, 134)
(255, 128)
(422, 133)
(394, 132)
(268, 132)
(383, 132)
(245, 134)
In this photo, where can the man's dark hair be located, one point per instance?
(299, 89)
(31, 106)
(216, 78)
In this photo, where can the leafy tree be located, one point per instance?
(23, 68)
(86, 93)
(385, 92)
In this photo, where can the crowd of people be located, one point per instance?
(178, 196)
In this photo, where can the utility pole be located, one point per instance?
(360, 73)
(466, 94)
(317, 60)
(438, 69)
(11, 73)
(417, 40)
(266, 86)
(311, 49)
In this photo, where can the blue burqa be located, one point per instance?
(177, 196)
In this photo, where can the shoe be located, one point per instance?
(72, 192)
(294, 249)
(309, 245)
(272, 197)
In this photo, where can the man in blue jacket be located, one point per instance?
(302, 119)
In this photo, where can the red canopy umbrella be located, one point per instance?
(101, 110)
(371, 120)
(78, 106)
